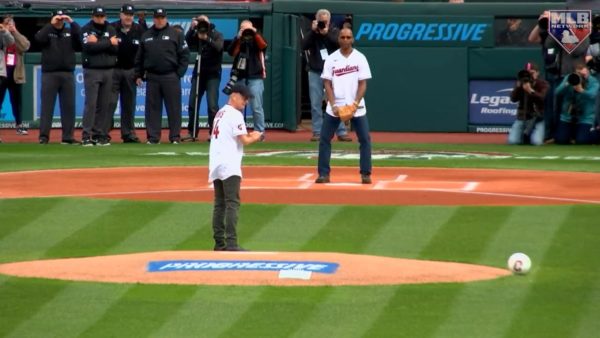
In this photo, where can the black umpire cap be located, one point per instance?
(127, 9)
(58, 12)
(158, 12)
(99, 11)
(242, 90)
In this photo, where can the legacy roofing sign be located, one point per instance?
(212, 265)
(489, 102)
(424, 31)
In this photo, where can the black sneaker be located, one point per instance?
(22, 131)
(103, 142)
(188, 138)
(43, 141)
(365, 179)
(131, 139)
(152, 142)
(175, 142)
(322, 179)
(88, 142)
(71, 141)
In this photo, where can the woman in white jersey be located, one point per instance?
(227, 141)
(345, 76)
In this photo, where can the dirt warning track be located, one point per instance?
(295, 185)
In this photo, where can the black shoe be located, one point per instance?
(152, 142)
(88, 142)
(69, 142)
(43, 141)
(366, 179)
(131, 139)
(103, 142)
(344, 138)
(322, 179)
(188, 138)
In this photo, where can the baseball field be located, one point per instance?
(463, 203)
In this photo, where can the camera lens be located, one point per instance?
(543, 23)
(321, 24)
(574, 79)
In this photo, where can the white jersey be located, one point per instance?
(226, 151)
(344, 74)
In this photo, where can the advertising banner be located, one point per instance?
(489, 102)
(570, 28)
(424, 31)
(186, 86)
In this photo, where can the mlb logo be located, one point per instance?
(570, 28)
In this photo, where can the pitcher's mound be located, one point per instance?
(251, 268)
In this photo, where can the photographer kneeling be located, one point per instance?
(578, 92)
(530, 93)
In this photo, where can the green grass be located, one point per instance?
(559, 298)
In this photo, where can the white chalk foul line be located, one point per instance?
(562, 199)
(470, 186)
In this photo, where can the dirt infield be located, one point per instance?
(295, 185)
(352, 270)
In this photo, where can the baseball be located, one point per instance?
(519, 263)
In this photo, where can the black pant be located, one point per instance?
(225, 211)
(63, 84)
(210, 86)
(159, 88)
(123, 87)
(98, 86)
(14, 92)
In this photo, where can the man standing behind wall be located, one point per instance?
(59, 44)
(129, 35)
(162, 60)
(318, 43)
(248, 49)
(99, 57)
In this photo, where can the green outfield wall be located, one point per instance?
(423, 54)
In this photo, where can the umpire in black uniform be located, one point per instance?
(208, 42)
(162, 59)
(129, 35)
(99, 57)
(59, 43)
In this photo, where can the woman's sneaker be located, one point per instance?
(22, 131)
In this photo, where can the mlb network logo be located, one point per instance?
(570, 28)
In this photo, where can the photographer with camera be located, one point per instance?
(578, 92)
(318, 43)
(593, 59)
(529, 92)
(58, 42)
(248, 49)
(206, 77)
(558, 63)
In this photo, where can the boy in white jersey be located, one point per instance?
(228, 138)
(345, 76)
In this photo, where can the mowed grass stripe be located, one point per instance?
(403, 235)
(409, 231)
(280, 308)
(252, 218)
(290, 230)
(142, 310)
(462, 237)
(568, 275)
(589, 324)
(16, 213)
(347, 312)
(32, 241)
(71, 311)
(350, 229)
(108, 229)
(177, 223)
(214, 307)
(528, 229)
(22, 298)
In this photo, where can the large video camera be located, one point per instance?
(321, 25)
(248, 34)
(240, 66)
(574, 79)
(202, 26)
(524, 76)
